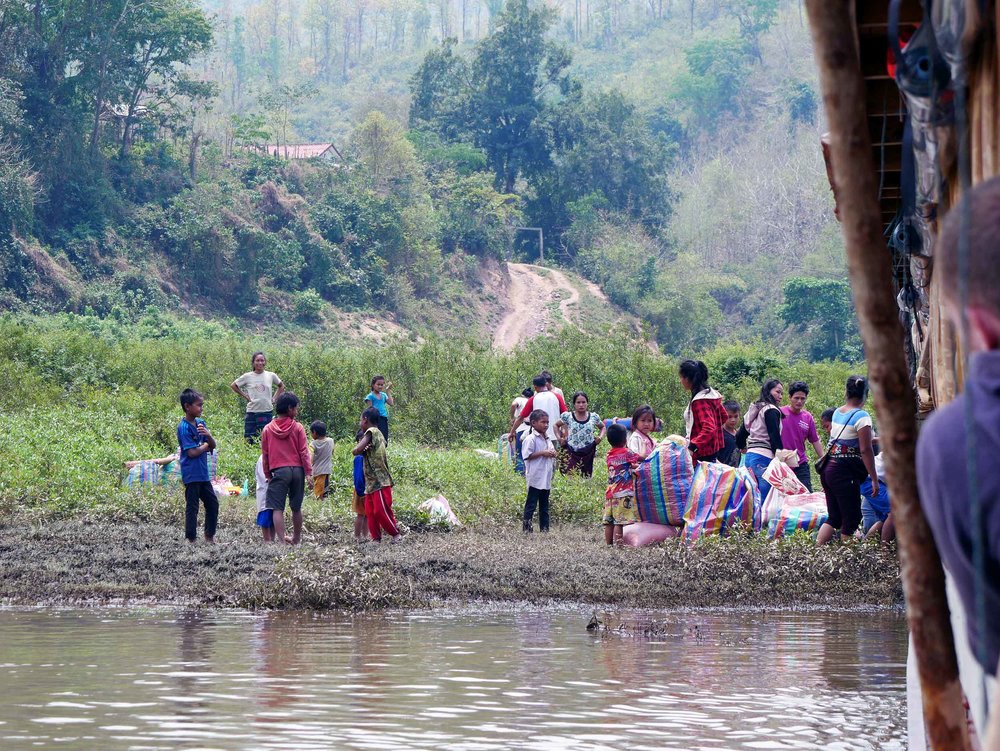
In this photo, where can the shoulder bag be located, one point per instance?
(825, 459)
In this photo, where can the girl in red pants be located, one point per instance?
(378, 481)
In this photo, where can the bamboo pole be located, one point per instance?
(843, 87)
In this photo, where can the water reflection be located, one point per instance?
(531, 679)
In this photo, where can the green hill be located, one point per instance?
(670, 157)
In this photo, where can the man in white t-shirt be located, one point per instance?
(257, 387)
(549, 402)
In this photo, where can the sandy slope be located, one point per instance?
(532, 288)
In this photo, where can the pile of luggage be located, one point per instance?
(676, 499)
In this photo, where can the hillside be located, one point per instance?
(542, 301)
(670, 157)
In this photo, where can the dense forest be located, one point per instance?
(668, 150)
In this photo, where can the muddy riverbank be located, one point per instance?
(76, 562)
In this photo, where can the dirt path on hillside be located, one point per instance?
(532, 288)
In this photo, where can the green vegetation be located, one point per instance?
(669, 153)
(85, 395)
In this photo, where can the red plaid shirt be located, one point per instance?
(706, 432)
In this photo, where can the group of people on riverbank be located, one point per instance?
(288, 466)
(546, 433)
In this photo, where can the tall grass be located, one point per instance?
(81, 396)
(445, 390)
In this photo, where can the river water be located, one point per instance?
(476, 679)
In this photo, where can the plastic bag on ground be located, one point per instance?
(440, 511)
(790, 513)
(640, 534)
(143, 473)
(780, 475)
(720, 497)
(223, 486)
(663, 483)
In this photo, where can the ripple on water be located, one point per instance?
(468, 681)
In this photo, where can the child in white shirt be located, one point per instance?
(539, 465)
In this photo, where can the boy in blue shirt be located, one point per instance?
(196, 441)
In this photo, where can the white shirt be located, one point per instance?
(259, 387)
(538, 471)
(640, 444)
(518, 405)
(548, 402)
(261, 486)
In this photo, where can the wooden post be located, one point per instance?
(834, 41)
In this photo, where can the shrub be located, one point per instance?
(308, 305)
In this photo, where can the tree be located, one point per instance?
(713, 87)
(388, 159)
(802, 104)
(249, 131)
(280, 102)
(168, 33)
(755, 18)
(17, 181)
(822, 310)
(601, 146)
(511, 71)
(440, 92)
(478, 219)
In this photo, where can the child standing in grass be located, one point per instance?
(322, 458)
(378, 481)
(195, 442)
(358, 501)
(619, 501)
(380, 399)
(539, 465)
(287, 463)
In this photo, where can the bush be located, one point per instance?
(308, 305)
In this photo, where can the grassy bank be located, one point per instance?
(76, 562)
(446, 390)
(84, 395)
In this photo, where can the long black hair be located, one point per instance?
(765, 391)
(696, 373)
(642, 411)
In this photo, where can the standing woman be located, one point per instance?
(851, 459)
(704, 416)
(580, 431)
(761, 431)
(257, 387)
